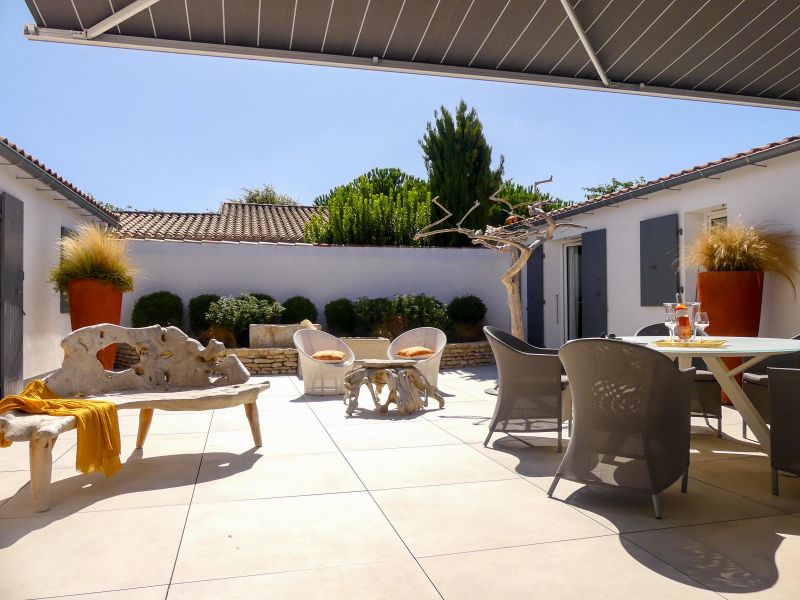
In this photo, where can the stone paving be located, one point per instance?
(381, 506)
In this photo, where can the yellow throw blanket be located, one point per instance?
(97, 424)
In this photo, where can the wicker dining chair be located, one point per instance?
(529, 397)
(631, 418)
(784, 455)
(706, 402)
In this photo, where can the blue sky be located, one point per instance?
(184, 133)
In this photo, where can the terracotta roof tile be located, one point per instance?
(44, 168)
(234, 223)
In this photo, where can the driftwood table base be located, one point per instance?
(409, 390)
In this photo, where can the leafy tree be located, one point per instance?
(384, 207)
(615, 185)
(459, 163)
(264, 195)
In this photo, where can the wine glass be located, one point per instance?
(700, 323)
(670, 320)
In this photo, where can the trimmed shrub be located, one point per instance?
(340, 317)
(198, 308)
(372, 316)
(159, 308)
(419, 310)
(466, 309)
(298, 308)
(268, 298)
(237, 314)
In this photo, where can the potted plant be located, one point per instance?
(733, 259)
(94, 271)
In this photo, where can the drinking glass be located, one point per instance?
(700, 323)
(670, 320)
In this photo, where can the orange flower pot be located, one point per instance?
(91, 302)
(732, 300)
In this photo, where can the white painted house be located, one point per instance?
(613, 275)
(37, 206)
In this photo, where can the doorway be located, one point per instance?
(573, 299)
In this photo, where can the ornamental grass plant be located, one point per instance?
(93, 252)
(741, 247)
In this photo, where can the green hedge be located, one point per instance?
(340, 317)
(159, 308)
(466, 309)
(198, 308)
(298, 308)
(237, 314)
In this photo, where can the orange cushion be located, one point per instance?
(415, 352)
(329, 355)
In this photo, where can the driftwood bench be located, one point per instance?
(174, 373)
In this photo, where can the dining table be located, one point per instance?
(712, 351)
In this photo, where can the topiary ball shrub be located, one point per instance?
(340, 317)
(298, 308)
(466, 309)
(198, 308)
(159, 308)
(237, 314)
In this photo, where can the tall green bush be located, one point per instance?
(340, 317)
(466, 309)
(459, 163)
(159, 308)
(372, 315)
(384, 207)
(198, 308)
(298, 308)
(419, 310)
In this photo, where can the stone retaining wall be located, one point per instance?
(283, 361)
(467, 354)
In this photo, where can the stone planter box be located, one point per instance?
(274, 336)
(368, 347)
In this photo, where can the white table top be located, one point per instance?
(736, 346)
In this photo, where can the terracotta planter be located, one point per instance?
(732, 300)
(92, 302)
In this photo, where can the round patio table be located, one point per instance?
(757, 348)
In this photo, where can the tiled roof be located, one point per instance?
(36, 168)
(234, 223)
(789, 144)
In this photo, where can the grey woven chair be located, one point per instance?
(755, 382)
(631, 418)
(530, 384)
(784, 388)
(707, 401)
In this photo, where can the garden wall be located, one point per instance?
(321, 273)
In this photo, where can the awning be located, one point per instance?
(734, 51)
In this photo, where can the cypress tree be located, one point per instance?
(459, 163)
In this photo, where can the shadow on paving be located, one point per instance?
(703, 551)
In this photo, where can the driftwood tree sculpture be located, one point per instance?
(519, 237)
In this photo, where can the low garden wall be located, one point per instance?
(283, 361)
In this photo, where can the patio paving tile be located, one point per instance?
(10, 483)
(708, 447)
(299, 440)
(154, 481)
(757, 557)
(628, 511)
(166, 422)
(157, 592)
(752, 478)
(234, 419)
(604, 568)
(257, 537)
(398, 580)
(432, 465)
(390, 435)
(179, 446)
(250, 476)
(90, 551)
(479, 516)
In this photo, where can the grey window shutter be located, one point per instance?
(658, 256)
(594, 284)
(62, 297)
(535, 276)
(11, 276)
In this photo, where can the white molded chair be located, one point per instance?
(429, 337)
(322, 378)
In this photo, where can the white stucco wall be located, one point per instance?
(321, 273)
(43, 323)
(759, 195)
